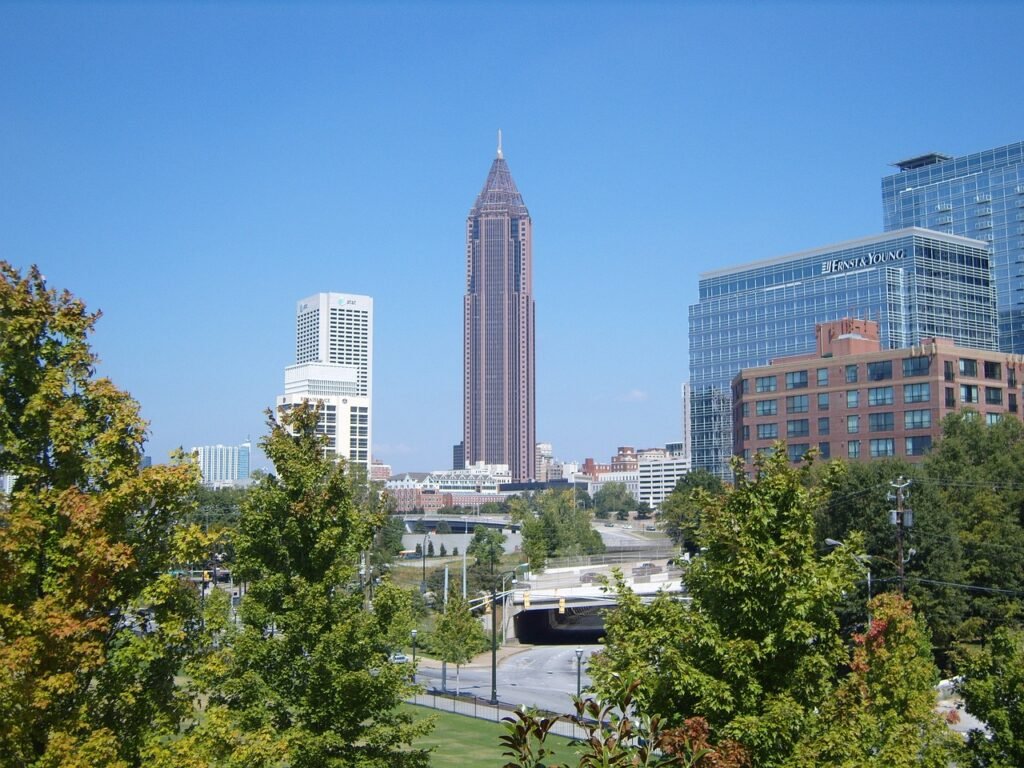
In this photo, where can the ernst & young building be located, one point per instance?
(914, 283)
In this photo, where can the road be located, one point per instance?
(541, 676)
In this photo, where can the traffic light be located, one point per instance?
(561, 605)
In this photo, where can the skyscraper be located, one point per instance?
(980, 196)
(223, 465)
(334, 367)
(498, 346)
(915, 283)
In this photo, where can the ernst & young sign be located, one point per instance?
(870, 260)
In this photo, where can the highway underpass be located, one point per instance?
(546, 626)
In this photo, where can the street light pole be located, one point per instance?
(414, 656)
(494, 643)
(579, 669)
(465, 546)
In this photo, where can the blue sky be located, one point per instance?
(193, 169)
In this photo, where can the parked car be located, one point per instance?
(399, 658)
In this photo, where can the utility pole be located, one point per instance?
(902, 518)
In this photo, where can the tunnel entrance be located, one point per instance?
(577, 626)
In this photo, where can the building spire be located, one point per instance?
(499, 143)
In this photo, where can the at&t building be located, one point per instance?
(915, 283)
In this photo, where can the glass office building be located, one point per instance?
(915, 283)
(979, 196)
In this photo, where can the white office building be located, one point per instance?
(657, 477)
(7, 483)
(223, 466)
(334, 368)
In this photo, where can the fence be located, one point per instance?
(482, 709)
(618, 556)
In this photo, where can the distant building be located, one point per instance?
(459, 456)
(629, 478)
(980, 195)
(7, 483)
(915, 283)
(657, 477)
(499, 407)
(545, 462)
(854, 399)
(223, 466)
(685, 449)
(379, 471)
(334, 368)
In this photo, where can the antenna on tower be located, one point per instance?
(499, 142)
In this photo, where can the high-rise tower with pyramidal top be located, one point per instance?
(499, 412)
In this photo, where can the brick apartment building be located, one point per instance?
(852, 399)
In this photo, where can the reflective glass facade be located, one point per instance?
(915, 283)
(979, 196)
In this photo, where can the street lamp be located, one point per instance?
(465, 546)
(579, 669)
(494, 629)
(413, 655)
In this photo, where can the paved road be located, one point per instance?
(541, 676)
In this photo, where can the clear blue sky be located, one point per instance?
(193, 169)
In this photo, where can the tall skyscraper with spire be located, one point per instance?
(499, 416)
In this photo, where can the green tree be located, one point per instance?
(680, 511)
(457, 636)
(977, 467)
(558, 530)
(992, 687)
(92, 626)
(309, 666)
(487, 546)
(612, 498)
(430, 548)
(883, 712)
(443, 527)
(756, 653)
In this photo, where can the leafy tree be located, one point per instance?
(681, 512)
(309, 668)
(977, 467)
(613, 497)
(444, 550)
(757, 652)
(992, 687)
(487, 546)
(558, 530)
(430, 548)
(883, 712)
(443, 527)
(458, 636)
(388, 542)
(92, 626)
(455, 551)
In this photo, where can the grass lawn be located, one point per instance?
(465, 742)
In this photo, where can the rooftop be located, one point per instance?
(921, 160)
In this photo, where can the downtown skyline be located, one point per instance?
(191, 171)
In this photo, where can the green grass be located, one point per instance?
(465, 742)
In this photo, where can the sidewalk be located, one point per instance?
(480, 661)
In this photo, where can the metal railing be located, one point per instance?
(482, 709)
(614, 557)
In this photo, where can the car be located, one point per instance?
(399, 658)
(609, 525)
(628, 527)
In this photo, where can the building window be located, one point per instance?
(853, 449)
(767, 407)
(950, 398)
(917, 419)
(948, 370)
(968, 393)
(746, 432)
(825, 450)
(881, 422)
(745, 409)
(823, 425)
(880, 447)
(765, 384)
(916, 366)
(767, 431)
(798, 404)
(798, 427)
(853, 424)
(745, 386)
(880, 371)
(823, 377)
(796, 380)
(1011, 377)
(797, 451)
(880, 396)
(969, 368)
(1011, 402)
(917, 393)
(919, 445)
(993, 370)
(993, 418)
(853, 398)
(823, 401)
(993, 396)
(851, 374)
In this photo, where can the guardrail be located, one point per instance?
(614, 557)
(482, 709)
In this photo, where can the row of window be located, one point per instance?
(970, 394)
(877, 448)
(882, 371)
(877, 422)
